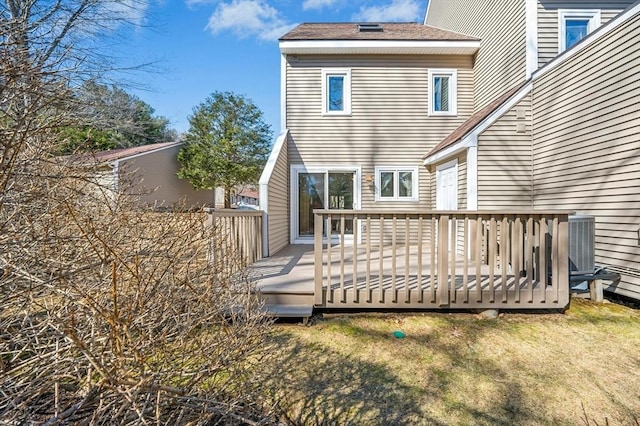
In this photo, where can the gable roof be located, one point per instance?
(408, 38)
(406, 31)
(121, 153)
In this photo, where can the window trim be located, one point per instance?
(415, 179)
(346, 73)
(453, 90)
(593, 15)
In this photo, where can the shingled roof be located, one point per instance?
(473, 121)
(406, 31)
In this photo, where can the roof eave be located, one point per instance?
(363, 47)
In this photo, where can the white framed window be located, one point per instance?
(574, 25)
(443, 92)
(396, 183)
(336, 91)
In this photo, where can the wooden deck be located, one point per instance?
(287, 278)
(422, 260)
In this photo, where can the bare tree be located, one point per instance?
(109, 313)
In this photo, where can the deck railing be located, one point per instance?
(450, 259)
(237, 236)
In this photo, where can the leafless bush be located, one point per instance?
(112, 314)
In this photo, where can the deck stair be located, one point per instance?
(290, 311)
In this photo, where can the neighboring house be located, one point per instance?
(149, 172)
(245, 197)
(517, 104)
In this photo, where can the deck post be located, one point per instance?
(563, 260)
(318, 255)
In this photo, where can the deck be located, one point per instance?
(431, 260)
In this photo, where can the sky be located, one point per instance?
(197, 47)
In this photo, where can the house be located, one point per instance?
(149, 172)
(508, 106)
(561, 128)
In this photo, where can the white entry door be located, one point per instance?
(447, 186)
(447, 189)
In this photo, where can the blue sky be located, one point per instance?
(202, 46)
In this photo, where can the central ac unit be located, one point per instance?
(582, 238)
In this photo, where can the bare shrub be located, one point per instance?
(111, 313)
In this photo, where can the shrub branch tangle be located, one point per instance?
(109, 313)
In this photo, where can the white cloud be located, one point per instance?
(317, 4)
(397, 10)
(247, 18)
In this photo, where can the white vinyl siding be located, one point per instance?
(501, 25)
(389, 122)
(586, 147)
(504, 161)
(548, 21)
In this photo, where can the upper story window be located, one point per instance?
(574, 25)
(336, 91)
(443, 92)
(396, 183)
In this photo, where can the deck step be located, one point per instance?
(290, 311)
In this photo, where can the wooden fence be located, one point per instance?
(237, 236)
(442, 259)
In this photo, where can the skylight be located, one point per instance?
(369, 28)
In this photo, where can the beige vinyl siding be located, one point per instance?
(504, 161)
(152, 176)
(501, 24)
(278, 203)
(548, 21)
(389, 124)
(587, 146)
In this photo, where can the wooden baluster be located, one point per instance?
(542, 275)
(529, 258)
(329, 259)
(394, 257)
(493, 248)
(381, 266)
(443, 254)
(368, 275)
(465, 256)
(504, 257)
(479, 245)
(453, 231)
(407, 246)
(342, 261)
(419, 274)
(318, 255)
(356, 292)
(433, 250)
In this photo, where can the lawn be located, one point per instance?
(580, 367)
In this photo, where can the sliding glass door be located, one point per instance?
(322, 189)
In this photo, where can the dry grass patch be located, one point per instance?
(574, 368)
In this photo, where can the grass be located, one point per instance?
(580, 367)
